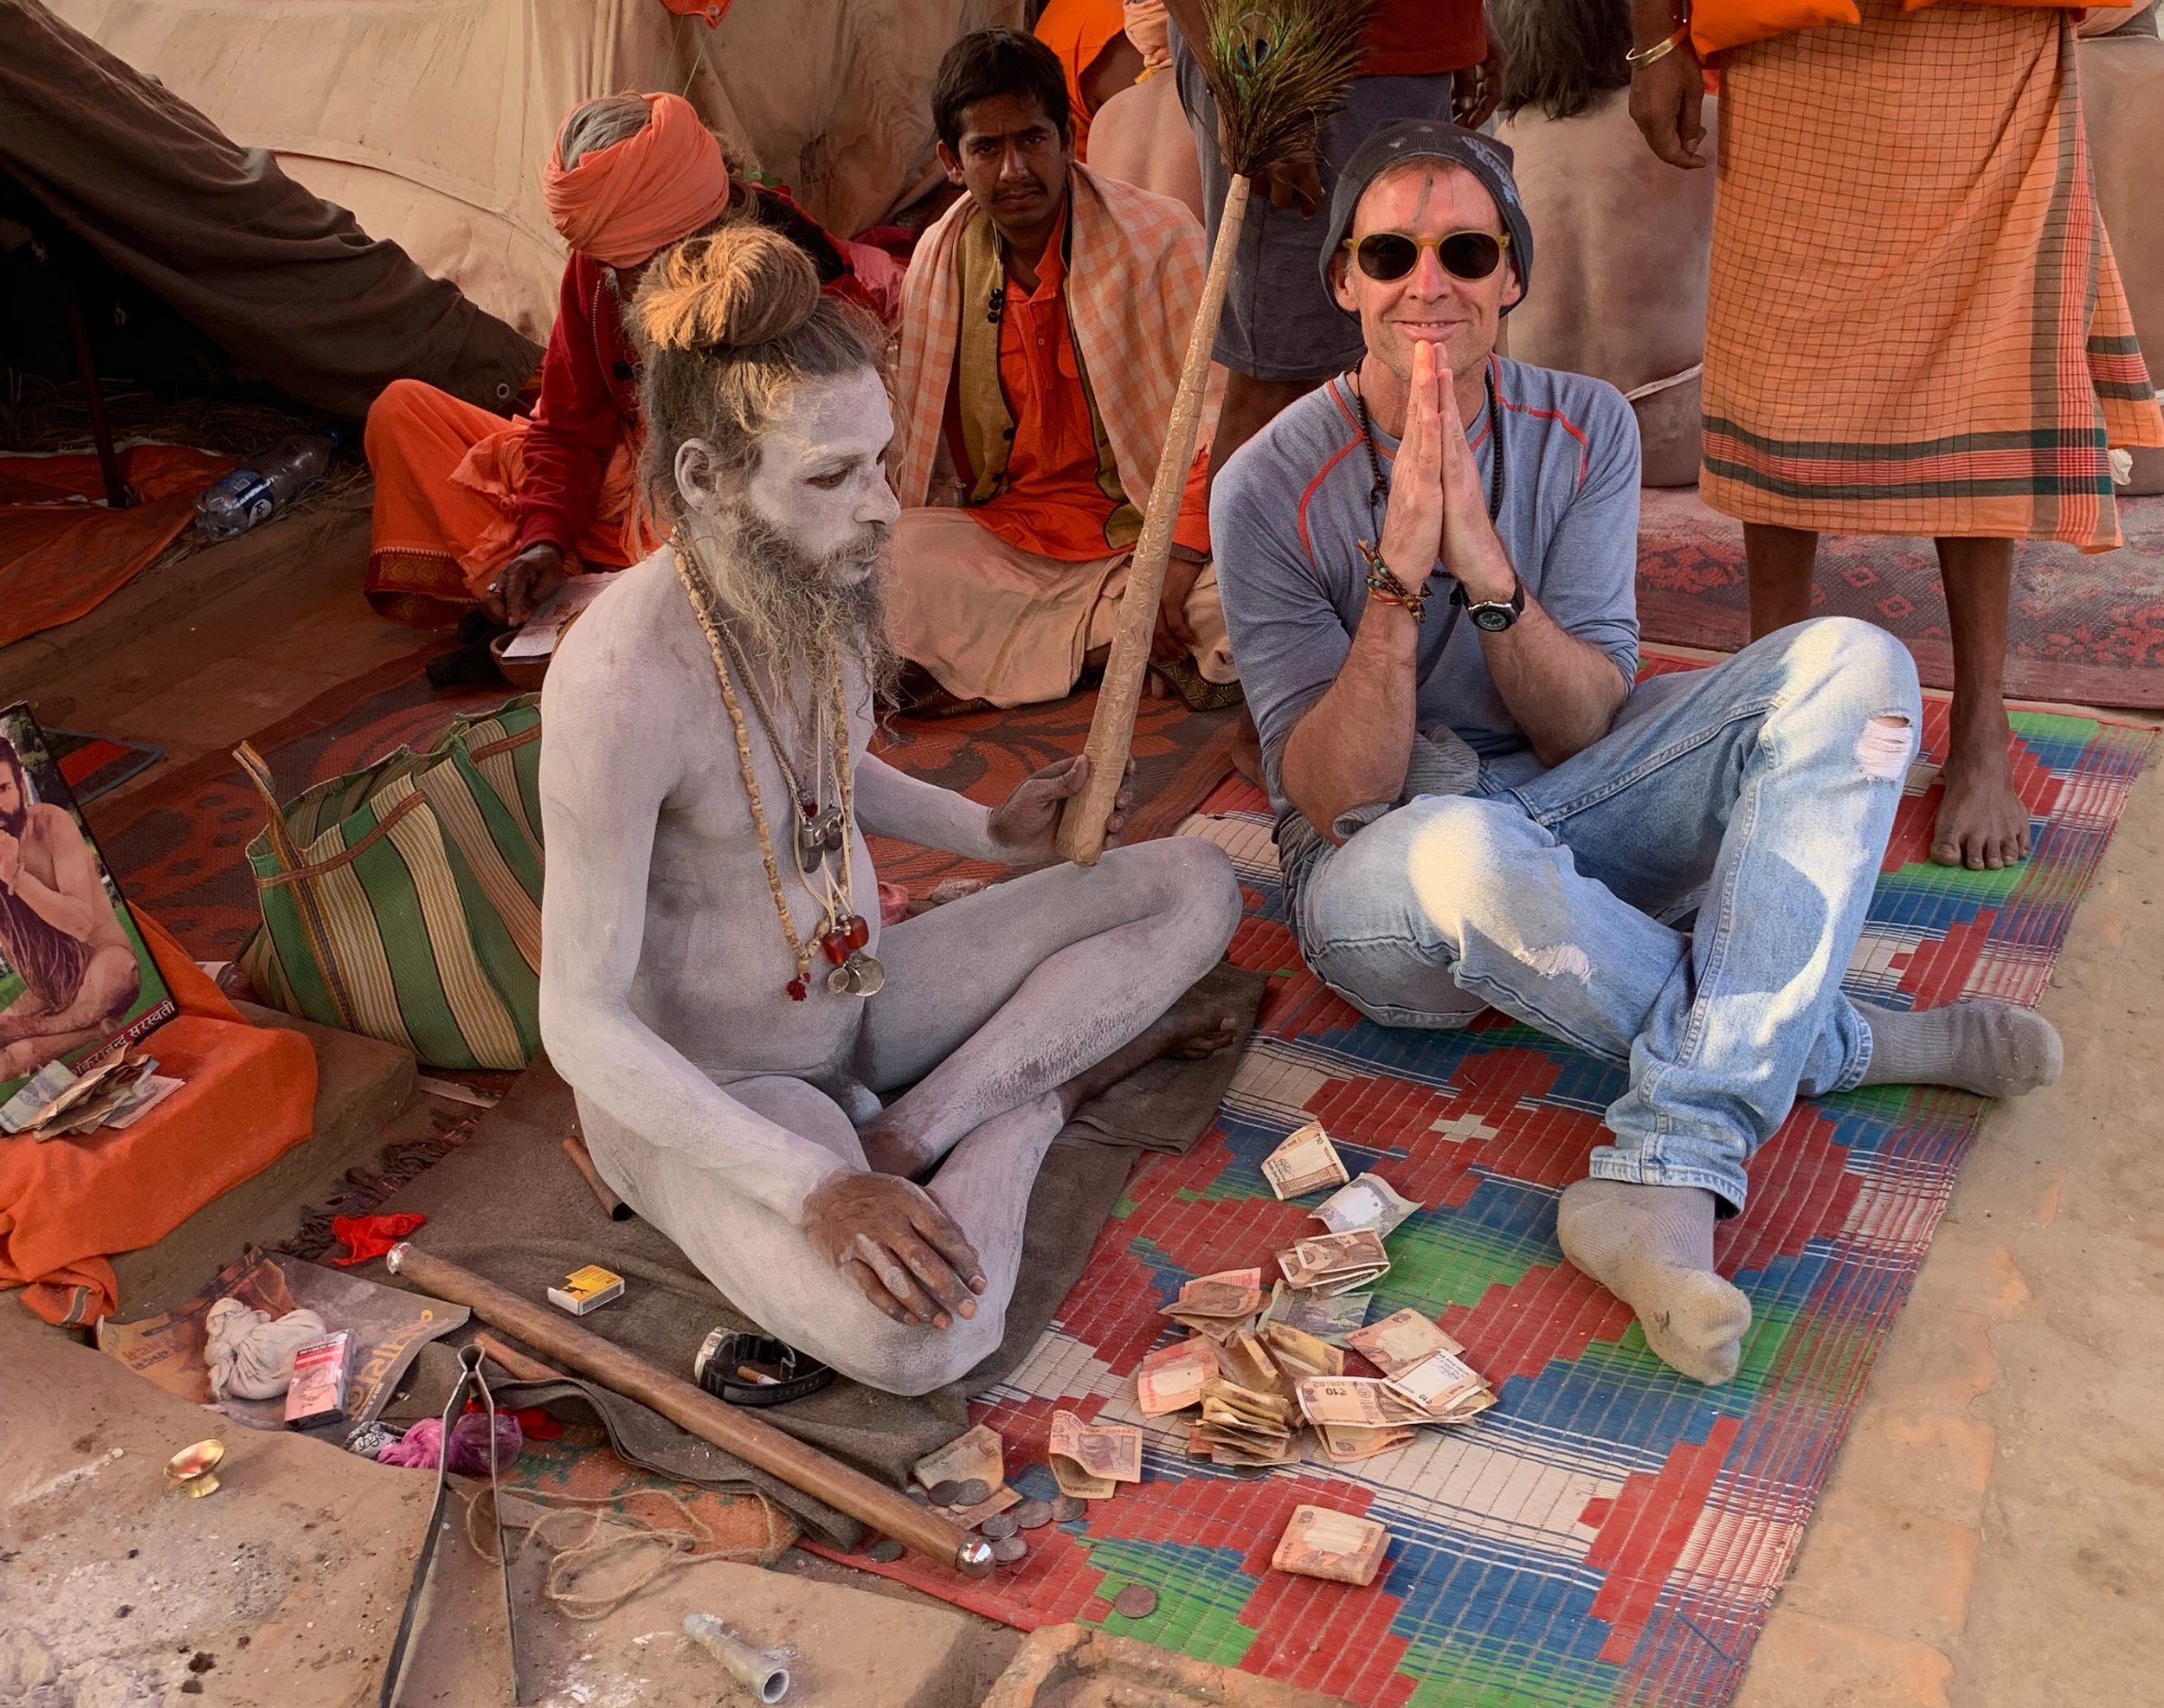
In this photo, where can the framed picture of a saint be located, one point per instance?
(76, 982)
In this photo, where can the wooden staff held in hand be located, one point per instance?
(1276, 70)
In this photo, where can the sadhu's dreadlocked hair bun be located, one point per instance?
(729, 323)
(742, 285)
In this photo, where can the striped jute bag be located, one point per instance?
(404, 901)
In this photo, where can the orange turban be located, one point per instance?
(623, 203)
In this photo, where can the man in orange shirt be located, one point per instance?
(1043, 323)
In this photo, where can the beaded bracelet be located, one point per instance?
(1383, 584)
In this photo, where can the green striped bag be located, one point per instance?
(404, 901)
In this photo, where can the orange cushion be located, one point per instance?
(66, 1203)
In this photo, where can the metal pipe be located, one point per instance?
(761, 1674)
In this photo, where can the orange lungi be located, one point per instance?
(1915, 325)
(447, 474)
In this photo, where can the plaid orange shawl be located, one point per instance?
(1133, 279)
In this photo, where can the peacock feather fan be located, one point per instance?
(1277, 70)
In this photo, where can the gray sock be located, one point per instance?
(1653, 1247)
(1993, 1048)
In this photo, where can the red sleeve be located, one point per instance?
(578, 421)
(1192, 529)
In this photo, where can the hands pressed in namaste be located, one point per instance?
(1024, 824)
(1439, 508)
(888, 1236)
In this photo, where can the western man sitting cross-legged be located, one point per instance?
(715, 984)
(1428, 574)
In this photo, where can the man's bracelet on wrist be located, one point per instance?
(1383, 584)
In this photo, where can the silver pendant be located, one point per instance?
(859, 975)
(818, 837)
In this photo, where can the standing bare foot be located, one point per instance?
(1982, 823)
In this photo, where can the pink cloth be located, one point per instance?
(422, 1447)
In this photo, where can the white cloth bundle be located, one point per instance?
(250, 1356)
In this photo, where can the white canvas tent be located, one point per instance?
(429, 119)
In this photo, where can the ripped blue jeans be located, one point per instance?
(1760, 792)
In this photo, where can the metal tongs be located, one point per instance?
(469, 1375)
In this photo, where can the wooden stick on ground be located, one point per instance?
(758, 1443)
(516, 1363)
(583, 1160)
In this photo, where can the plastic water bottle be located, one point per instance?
(249, 496)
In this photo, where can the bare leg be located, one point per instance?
(769, 1270)
(1004, 996)
(1778, 562)
(1982, 824)
(110, 985)
(26, 1055)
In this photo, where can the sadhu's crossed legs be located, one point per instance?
(1007, 1010)
(1982, 823)
(31, 1035)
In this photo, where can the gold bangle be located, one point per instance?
(1639, 58)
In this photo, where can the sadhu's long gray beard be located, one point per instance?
(791, 609)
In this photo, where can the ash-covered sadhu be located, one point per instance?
(715, 982)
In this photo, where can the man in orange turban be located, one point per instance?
(480, 519)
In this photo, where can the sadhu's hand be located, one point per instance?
(1025, 824)
(10, 859)
(524, 582)
(1667, 103)
(900, 1248)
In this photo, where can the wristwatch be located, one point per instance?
(1492, 614)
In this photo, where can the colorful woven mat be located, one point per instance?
(1610, 1533)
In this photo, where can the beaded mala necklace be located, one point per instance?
(1382, 581)
(818, 836)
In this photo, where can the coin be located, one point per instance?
(948, 1494)
(1009, 1548)
(1068, 1507)
(1137, 1601)
(884, 1551)
(920, 1497)
(998, 1527)
(1032, 1515)
(972, 1494)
